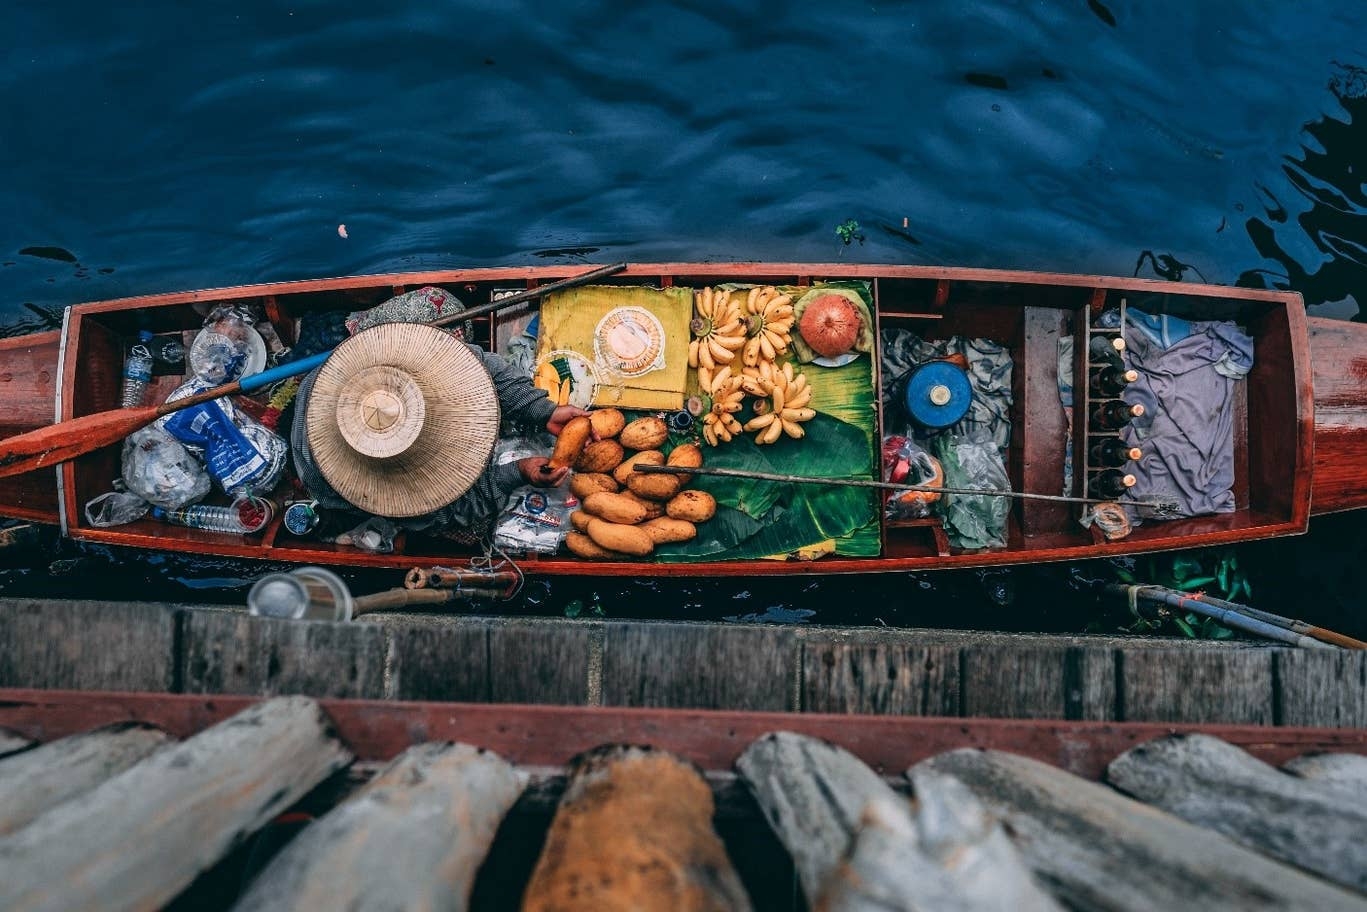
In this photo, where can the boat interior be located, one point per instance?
(78, 371)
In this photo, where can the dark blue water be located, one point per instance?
(172, 146)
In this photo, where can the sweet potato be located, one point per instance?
(654, 487)
(617, 537)
(585, 483)
(571, 442)
(664, 530)
(616, 508)
(628, 465)
(579, 519)
(653, 508)
(692, 505)
(580, 545)
(607, 422)
(647, 433)
(600, 456)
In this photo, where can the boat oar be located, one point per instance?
(856, 483)
(1300, 628)
(1230, 618)
(69, 439)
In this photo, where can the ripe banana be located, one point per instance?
(786, 409)
(718, 330)
(769, 325)
(720, 423)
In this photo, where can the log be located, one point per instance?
(634, 832)
(856, 843)
(1346, 770)
(44, 777)
(1097, 849)
(1214, 784)
(138, 839)
(411, 838)
(813, 795)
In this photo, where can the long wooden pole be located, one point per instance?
(66, 440)
(857, 483)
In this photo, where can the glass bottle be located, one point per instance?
(1112, 451)
(1106, 349)
(1110, 483)
(1115, 414)
(1111, 380)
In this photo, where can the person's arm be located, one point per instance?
(519, 399)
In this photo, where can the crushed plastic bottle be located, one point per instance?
(137, 373)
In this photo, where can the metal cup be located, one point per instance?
(306, 593)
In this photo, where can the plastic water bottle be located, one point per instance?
(244, 515)
(137, 373)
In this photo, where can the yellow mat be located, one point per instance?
(605, 345)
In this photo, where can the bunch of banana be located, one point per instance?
(769, 326)
(718, 331)
(786, 409)
(720, 423)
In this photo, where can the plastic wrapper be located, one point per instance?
(534, 519)
(374, 534)
(159, 469)
(227, 347)
(905, 462)
(240, 453)
(973, 521)
(115, 508)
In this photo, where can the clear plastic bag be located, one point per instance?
(973, 521)
(374, 534)
(115, 508)
(905, 462)
(159, 469)
(536, 519)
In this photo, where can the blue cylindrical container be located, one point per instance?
(938, 394)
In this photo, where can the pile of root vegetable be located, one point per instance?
(624, 513)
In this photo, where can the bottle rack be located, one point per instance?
(1085, 434)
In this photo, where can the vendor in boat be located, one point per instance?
(401, 422)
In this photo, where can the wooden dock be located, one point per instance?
(162, 648)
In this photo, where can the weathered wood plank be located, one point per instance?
(411, 838)
(885, 678)
(139, 838)
(12, 743)
(1345, 770)
(1039, 682)
(539, 663)
(1179, 685)
(87, 645)
(856, 844)
(1322, 687)
(230, 652)
(1213, 784)
(430, 662)
(1098, 849)
(698, 666)
(634, 832)
(44, 777)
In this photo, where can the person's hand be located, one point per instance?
(537, 472)
(561, 417)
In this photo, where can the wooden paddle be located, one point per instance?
(68, 439)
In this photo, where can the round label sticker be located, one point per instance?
(535, 502)
(629, 342)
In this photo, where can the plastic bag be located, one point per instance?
(904, 462)
(226, 348)
(115, 509)
(159, 469)
(973, 521)
(241, 454)
(536, 519)
(375, 534)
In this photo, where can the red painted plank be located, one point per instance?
(551, 735)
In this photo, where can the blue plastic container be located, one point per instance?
(938, 394)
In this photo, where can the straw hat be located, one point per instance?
(402, 419)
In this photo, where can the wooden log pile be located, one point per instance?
(127, 817)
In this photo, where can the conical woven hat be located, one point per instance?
(402, 419)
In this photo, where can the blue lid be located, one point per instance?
(145, 335)
(938, 394)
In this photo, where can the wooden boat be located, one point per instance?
(1300, 418)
